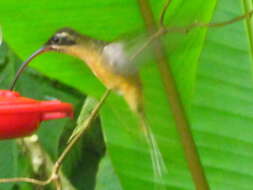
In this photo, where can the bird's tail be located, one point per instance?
(159, 166)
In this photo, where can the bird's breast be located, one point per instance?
(100, 66)
(128, 85)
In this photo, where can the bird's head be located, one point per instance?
(62, 40)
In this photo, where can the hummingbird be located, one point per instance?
(108, 62)
(112, 65)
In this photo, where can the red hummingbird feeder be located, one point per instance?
(21, 116)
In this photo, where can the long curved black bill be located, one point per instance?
(24, 64)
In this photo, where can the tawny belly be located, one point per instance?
(128, 86)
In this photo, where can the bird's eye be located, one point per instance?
(60, 40)
(56, 40)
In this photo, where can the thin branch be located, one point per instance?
(86, 123)
(177, 108)
(248, 5)
(164, 10)
(58, 184)
(192, 26)
(186, 29)
(151, 39)
(40, 160)
(24, 179)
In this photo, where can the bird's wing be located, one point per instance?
(117, 58)
(119, 54)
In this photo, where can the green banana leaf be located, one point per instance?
(212, 71)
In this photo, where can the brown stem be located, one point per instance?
(58, 184)
(164, 10)
(173, 97)
(186, 29)
(151, 39)
(163, 30)
(24, 179)
(248, 4)
(73, 141)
